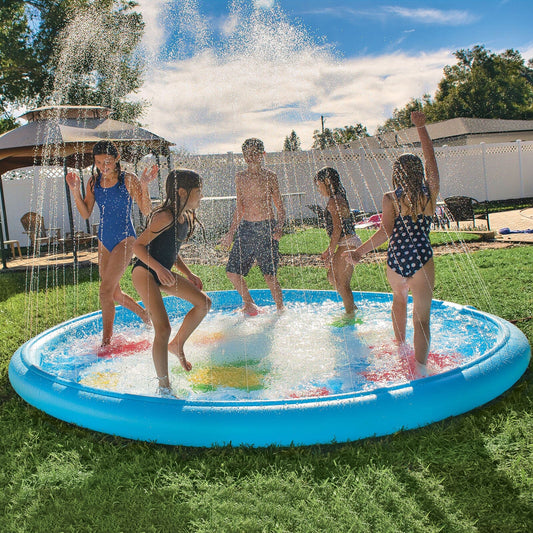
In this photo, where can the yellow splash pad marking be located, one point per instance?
(226, 376)
(101, 380)
(207, 338)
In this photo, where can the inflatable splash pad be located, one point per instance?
(273, 379)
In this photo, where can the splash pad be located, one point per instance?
(258, 382)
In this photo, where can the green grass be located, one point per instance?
(471, 473)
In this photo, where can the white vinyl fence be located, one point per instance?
(484, 171)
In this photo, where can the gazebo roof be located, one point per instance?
(54, 134)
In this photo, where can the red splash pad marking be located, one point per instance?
(122, 347)
(311, 393)
(405, 369)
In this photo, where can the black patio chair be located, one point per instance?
(461, 208)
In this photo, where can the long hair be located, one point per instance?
(408, 175)
(180, 179)
(104, 148)
(332, 180)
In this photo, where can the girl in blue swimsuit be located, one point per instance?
(157, 250)
(114, 192)
(406, 220)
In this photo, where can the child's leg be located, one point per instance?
(340, 275)
(275, 290)
(241, 287)
(421, 285)
(112, 266)
(150, 293)
(400, 291)
(183, 288)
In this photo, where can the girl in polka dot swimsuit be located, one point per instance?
(406, 220)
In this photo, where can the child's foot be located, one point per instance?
(176, 350)
(421, 369)
(348, 319)
(250, 309)
(165, 392)
(145, 317)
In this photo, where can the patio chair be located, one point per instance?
(34, 227)
(461, 208)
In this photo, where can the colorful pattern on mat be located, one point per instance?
(123, 347)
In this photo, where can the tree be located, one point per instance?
(292, 143)
(324, 139)
(75, 52)
(401, 117)
(485, 85)
(349, 133)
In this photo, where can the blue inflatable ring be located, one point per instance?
(338, 417)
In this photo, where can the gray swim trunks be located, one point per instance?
(254, 241)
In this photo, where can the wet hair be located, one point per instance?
(408, 175)
(335, 188)
(105, 148)
(334, 185)
(253, 143)
(180, 179)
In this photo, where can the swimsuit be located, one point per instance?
(253, 240)
(348, 236)
(115, 205)
(409, 246)
(165, 247)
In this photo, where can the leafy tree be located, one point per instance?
(485, 85)
(323, 139)
(40, 63)
(401, 117)
(349, 133)
(292, 143)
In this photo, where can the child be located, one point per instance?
(341, 231)
(407, 216)
(157, 250)
(256, 232)
(114, 191)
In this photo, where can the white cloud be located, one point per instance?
(452, 17)
(210, 106)
(153, 30)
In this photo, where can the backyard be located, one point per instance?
(468, 473)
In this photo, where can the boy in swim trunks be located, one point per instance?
(254, 230)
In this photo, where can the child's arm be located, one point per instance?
(381, 236)
(226, 241)
(184, 269)
(138, 188)
(432, 172)
(159, 222)
(337, 229)
(280, 208)
(84, 205)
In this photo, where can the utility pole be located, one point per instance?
(322, 121)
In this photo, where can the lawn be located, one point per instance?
(469, 473)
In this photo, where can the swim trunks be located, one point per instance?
(409, 245)
(115, 205)
(165, 247)
(254, 241)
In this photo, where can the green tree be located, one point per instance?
(485, 85)
(41, 64)
(323, 139)
(349, 133)
(292, 143)
(401, 117)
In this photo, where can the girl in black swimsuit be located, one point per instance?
(157, 250)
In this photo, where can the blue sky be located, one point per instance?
(220, 71)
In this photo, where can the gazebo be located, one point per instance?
(64, 136)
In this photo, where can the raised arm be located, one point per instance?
(432, 172)
(84, 205)
(138, 188)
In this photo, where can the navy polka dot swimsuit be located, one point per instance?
(409, 246)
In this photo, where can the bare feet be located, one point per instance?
(250, 309)
(145, 317)
(176, 350)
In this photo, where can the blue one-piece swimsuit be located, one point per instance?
(115, 205)
(409, 245)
